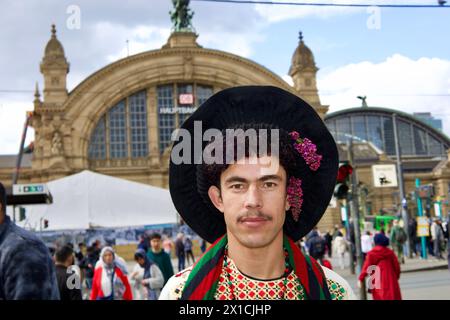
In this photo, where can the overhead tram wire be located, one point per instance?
(381, 5)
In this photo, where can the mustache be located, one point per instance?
(255, 214)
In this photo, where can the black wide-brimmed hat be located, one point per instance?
(238, 106)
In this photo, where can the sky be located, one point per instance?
(398, 58)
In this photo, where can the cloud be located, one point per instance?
(13, 113)
(401, 83)
(278, 13)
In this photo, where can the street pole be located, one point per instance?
(347, 228)
(356, 222)
(19, 158)
(401, 185)
(420, 213)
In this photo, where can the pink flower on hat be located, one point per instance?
(295, 196)
(307, 150)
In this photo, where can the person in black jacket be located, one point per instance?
(26, 267)
(69, 283)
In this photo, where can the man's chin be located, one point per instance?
(255, 241)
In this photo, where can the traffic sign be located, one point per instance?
(25, 189)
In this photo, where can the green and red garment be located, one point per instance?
(203, 280)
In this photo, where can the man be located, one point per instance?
(412, 231)
(316, 245)
(143, 242)
(329, 240)
(179, 251)
(398, 238)
(188, 250)
(437, 237)
(366, 244)
(160, 257)
(26, 268)
(254, 204)
(69, 283)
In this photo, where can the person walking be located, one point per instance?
(90, 262)
(340, 246)
(398, 239)
(143, 242)
(437, 238)
(447, 228)
(384, 280)
(167, 244)
(188, 250)
(67, 279)
(412, 231)
(366, 244)
(329, 241)
(27, 270)
(153, 279)
(109, 282)
(179, 250)
(160, 257)
(316, 245)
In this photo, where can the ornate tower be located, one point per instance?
(52, 131)
(54, 67)
(303, 72)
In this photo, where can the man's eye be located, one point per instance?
(269, 184)
(237, 186)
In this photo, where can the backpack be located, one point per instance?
(318, 246)
(400, 236)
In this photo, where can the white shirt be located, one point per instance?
(366, 243)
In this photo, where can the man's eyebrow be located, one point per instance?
(235, 179)
(270, 177)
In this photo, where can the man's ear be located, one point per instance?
(216, 198)
(287, 206)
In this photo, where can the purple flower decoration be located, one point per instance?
(307, 150)
(295, 196)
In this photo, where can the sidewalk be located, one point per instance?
(410, 265)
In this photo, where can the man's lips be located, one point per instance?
(253, 221)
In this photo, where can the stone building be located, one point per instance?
(119, 120)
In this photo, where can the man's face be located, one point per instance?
(155, 243)
(141, 261)
(253, 200)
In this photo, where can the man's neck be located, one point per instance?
(261, 263)
(156, 251)
(2, 217)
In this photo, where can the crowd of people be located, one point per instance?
(382, 251)
(99, 273)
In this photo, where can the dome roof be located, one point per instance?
(54, 48)
(303, 57)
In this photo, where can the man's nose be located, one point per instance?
(253, 198)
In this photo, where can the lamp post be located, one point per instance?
(401, 185)
(356, 222)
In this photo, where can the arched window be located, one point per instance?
(123, 131)
(415, 139)
(176, 102)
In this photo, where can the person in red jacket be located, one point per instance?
(382, 266)
(110, 283)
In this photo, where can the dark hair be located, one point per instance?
(155, 235)
(63, 253)
(209, 174)
(138, 255)
(69, 244)
(2, 198)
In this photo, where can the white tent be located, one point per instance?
(91, 200)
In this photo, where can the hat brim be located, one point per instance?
(255, 104)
